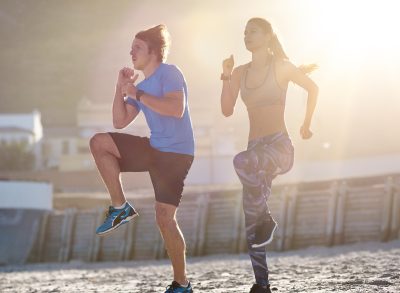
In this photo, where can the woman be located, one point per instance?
(263, 85)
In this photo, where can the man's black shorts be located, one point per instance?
(167, 170)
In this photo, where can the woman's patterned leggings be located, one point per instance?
(264, 159)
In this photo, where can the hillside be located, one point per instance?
(46, 50)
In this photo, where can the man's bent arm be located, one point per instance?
(172, 104)
(123, 114)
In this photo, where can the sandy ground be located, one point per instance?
(363, 267)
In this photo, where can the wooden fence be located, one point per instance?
(321, 213)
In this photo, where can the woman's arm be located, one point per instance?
(230, 86)
(297, 76)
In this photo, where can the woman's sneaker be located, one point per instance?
(175, 287)
(115, 218)
(265, 232)
(259, 289)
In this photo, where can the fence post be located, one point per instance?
(290, 220)
(387, 209)
(42, 235)
(66, 236)
(130, 235)
(340, 212)
(395, 220)
(331, 218)
(237, 222)
(203, 214)
(283, 219)
(97, 239)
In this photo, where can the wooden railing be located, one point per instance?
(320, 213)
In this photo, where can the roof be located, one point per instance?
(15, 130)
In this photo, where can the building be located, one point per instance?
(18, 194)
(24, 129)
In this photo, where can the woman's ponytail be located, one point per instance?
(308, 68)
(278, 52)
(276, 47)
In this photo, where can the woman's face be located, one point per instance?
(255, 37)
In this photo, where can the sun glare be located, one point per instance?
(357, 30)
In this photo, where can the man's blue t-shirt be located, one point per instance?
(168, 134)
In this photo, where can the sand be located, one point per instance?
(362, 267)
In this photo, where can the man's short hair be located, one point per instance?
(158, 40)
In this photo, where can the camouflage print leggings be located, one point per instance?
(264, 159)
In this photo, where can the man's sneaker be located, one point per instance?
(115, 218)
(265, 232)
(176, 287)
(259, 289)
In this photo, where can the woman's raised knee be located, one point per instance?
(240, 160)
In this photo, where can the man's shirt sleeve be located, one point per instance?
(173, 80)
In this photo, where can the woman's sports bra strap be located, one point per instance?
(267, 94)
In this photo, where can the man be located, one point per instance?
(167, 155)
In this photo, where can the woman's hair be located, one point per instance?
(276, 46)
(158, 39)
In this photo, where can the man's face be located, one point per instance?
(140, 54)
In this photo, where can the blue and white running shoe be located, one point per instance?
(175, 287)
(115, 218)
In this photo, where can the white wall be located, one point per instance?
(30, 122)
(329, 170)
(220, 170)
(26, 195)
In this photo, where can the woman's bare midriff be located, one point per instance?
(266, 120)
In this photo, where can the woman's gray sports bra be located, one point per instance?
(267, 94)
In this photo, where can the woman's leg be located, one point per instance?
(255, 207)
(256, 168)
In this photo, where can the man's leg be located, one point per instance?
(106, 154)
(173, 239)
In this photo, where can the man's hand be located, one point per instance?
(125, 75)
(305, 132)
(129, 88)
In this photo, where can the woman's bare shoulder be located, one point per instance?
(240, 69)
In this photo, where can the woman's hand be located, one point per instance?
(227, 66)
(305, 132)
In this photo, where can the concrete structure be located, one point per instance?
(60, 144)
(25, 129)
(22, 206)
(26, 195)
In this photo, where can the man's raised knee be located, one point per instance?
(95, 142)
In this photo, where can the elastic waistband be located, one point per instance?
(268, 139)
